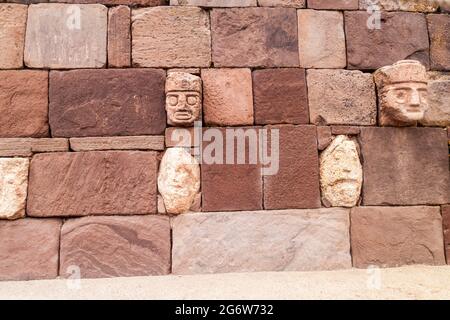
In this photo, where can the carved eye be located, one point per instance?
(401, 95)
(191, 100)
(172, 100)
(423, 95)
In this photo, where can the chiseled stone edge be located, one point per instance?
(118, 143)
(25, 147)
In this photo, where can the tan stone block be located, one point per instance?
(117, 143)
(13, 187)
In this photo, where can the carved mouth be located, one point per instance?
(183, 115)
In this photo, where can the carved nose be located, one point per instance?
(415, 98)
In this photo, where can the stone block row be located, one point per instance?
(67, 36)
(198, 243)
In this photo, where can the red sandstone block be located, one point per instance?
(333, 4)
(254, 37)
(116, 246)
(439, 29)
(23, 104)
(324, 137)
(119, 36)
(92, 183)
(108, 102)
(395, 236)
(296, 185)
(446, 226)
(146, 3)
(402, 35)
(29, 249)
(280, 96)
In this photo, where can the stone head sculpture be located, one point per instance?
(402, 92)
(183, 98)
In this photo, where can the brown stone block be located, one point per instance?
(333, 4)
(395, 236)
(119, 37)
(92, 183)
(108, 102)
(282, 3)
(31, 145)
(214, 3)
(446, 226)
(118, 143)
(146, 3)
(116, 246)
(324, 137)
(439, 29)
(13, 19)
(29, 249)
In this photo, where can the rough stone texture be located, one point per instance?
(282, 3)
(403, 5)
(227, 97)
(341, 97)
(55, 39)
(116, 246)
(179, 137)
(119, 37)
(321, 39)
(92, 183)
(29, 249)
(347, 130)
(324, 137)
(108, 102)
(446, 226)
(341, 173)
(178, 180)
(28, 146)
(439, 30)
(171, 37)
(333, 4)
(13, 187)
(405, 166)
(194, 71)
(261, 241)
(214, 3)
(13, 18)
(395, 236)
(280, 96)
(146, 3)
(118, 143)
(229, 187)
(254, 37)
(296, 185)
(438, 112)
(438, 75)
(23, 104)
(402, 36)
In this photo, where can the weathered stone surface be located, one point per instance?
(214, 3)
(62, 36)
(445, 212)
(227, 97)
(116, 246)
(296, 184)
(13, 187)
(282, 3)
(178, 180)
(118, 143)
(438, 75)
(324, 137)
(108, 102)
(146, 3)
(333, 4)
(13, 18)
(341, 173)
(194, 71)
(405, 166)
(29, 249)
(374, 48)
(347, 130)
(228, 185)
(395, 236)
(402, 5)
(321, 39)
(439, 29)
(438, 112)
(341, 97)
(92, 183)
(171, 37)
(179, 137)
(280, 96)
(290, 240)
(119, 36)
(23, 104)
(28, 146)
(254, 37)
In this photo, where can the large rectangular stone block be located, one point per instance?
(116, 246)
(23, 103)
(29, 249)
(214, 3)
(119, 36)
(439, 29)
(112, 102)
(333, 4)
(291, 240)
(282, 3)
(405, 166)
(296, 184)
(146, 3)
(13, 19)
(171, 37)
(395, 236)
(401, 35)
(402, 5)
(64, 36)
(254, 37)
(438, 96)
(92, 183)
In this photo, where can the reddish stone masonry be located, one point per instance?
(94, 92)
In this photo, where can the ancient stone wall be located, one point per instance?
(141, 137)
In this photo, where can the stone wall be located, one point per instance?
(95, 182)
